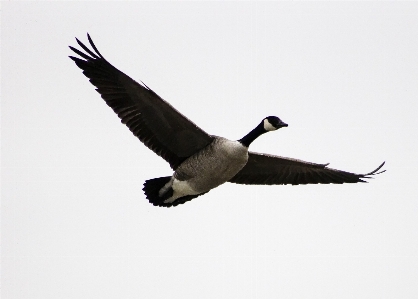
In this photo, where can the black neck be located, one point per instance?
(250, 137)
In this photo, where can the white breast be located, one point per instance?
(233, 148)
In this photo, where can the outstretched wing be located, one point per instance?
(262, 169)
(155, 122)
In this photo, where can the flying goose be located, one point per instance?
(200, 161)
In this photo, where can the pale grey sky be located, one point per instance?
(75, 222)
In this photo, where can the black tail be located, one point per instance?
(152, 188)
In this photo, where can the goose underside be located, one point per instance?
(152, 189)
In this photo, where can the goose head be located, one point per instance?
(272, 123)
(268, 124)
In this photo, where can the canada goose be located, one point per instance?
(200, 161)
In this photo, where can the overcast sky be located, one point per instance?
(75, 221)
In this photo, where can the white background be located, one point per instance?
(344, 76)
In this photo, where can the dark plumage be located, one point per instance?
(201, 161)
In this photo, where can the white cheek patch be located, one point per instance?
(268, 126)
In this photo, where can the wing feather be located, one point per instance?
(155, 122)
(262, 169)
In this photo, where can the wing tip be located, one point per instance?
(376, 171)
(95, 54)
(94, 46)
(370, 175)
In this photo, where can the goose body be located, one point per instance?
(210, 167)
(200, 161)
